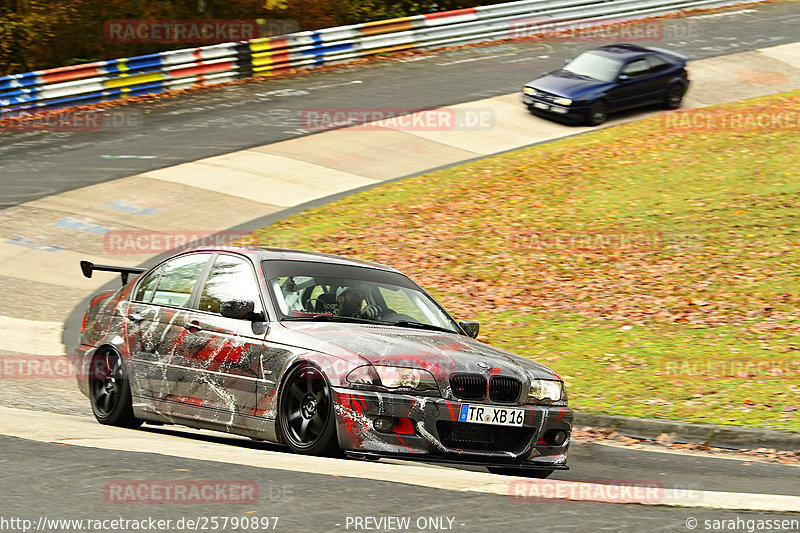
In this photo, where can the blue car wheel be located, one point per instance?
(598, 113)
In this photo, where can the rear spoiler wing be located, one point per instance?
(87, 267)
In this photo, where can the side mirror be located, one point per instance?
(624, 77)
(470, 327)
(240, 310)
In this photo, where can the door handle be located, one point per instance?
(193, 326)
(135, 317)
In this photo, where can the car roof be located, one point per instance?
(622, 51)
(266, 253)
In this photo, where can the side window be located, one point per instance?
(178, 280)
(231, 278)
(145, 291)
(637, 67)
(657, 64)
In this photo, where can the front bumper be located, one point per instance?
(435, 432)
(571, 113)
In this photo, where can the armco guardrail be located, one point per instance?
(208, 65)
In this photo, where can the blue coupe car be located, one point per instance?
(608, 79)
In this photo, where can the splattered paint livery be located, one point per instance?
(209, 338)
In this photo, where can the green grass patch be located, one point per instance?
(717, 375)
(647, 264)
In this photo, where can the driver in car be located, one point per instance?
(350, 301)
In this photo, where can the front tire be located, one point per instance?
(598, 113)
(306, 416)
(521, 472)
(110, 391)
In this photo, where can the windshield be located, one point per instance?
(594, 66)
(318, 291)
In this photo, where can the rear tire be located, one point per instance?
(674, 96)
(110, 391)
(521, 472)
(306, 417)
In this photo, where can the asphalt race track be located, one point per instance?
(312, 502)
(58, 463)
(218, 121)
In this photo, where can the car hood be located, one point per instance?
(563, 83)
(438, 352)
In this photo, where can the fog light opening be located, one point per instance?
(384, 424)
(555, 437)
(403, 426)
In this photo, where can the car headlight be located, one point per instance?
(393, 377)
(530, 91)
(544, 390)
(562, 101)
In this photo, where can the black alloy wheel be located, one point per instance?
(109, 391)
(306, 415)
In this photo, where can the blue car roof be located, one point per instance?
(621, 51)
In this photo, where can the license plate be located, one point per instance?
(487, 414)
(540, 105)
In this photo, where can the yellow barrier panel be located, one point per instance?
(261, 45)
(262, 59)
(127, 80)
